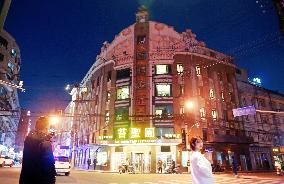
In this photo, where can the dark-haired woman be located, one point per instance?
(201, 170)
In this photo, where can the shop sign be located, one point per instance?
(122, 132)
(172, 136)
(135, 132)
(249, 110)
(136, 141)
(105, 137)
(209, 150)
(275, 149)
(149, 132)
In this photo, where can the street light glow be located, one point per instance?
(54, 120)
(189, 104)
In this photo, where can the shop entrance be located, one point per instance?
(139, 162)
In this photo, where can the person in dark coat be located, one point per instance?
(95, 163)
(38, 160)
(235, 166)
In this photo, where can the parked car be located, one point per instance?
(6, 161)
(62, 165)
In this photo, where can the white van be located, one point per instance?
(6, 161)
(62, 165)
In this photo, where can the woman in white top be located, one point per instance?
(201, 170)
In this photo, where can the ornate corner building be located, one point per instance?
(133, 102)
(10, 61)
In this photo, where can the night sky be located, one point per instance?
(59, 39)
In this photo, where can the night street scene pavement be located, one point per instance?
(142, 91)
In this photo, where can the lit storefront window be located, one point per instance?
(162, 69)
(179, 68)
(122, 93)
(163, 89)
(202, 113)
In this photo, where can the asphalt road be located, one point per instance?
(11, 176)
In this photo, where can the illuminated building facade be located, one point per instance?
(10, 61)
(267, 129)
(132, 103)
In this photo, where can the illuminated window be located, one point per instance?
(214, 114)
(212, 95)
(122, 93)
(11, 65)
(162, 69)
(108, 95)
(107, 115)
(181, 89)
(13, 53)
(164, 111)
(179, 68)
(181, 110)
(202, 113)
(163, 89)
(222, 96)
(198, 70)
(121, 114)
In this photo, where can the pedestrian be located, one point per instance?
(173, 166)
(127, 165)
(160, 166)
(38, 160)
(95, 162)
(89, 163)
(201, 170)
(235, 166)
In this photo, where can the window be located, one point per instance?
(122, 93)
(165, 149)
(179, 68)
(109, 76)
(3, 41)
(225, 114)
(11, 65)
(214, 114)
(162, 69)
(13, 53)
(198, 70)
(107, 116)
(212, 95)
(122, 74)
(160, 132)
(1, 57)
(181, 89)
(98, 81)
(164, 111)
(163, 89)
(121, 114)
(141, 39)
(222, 96)
(202, 113)
(181, 110)
(108, 95)
(141, 56)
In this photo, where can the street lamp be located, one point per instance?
(54, 120)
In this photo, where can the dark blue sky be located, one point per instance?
(59, 39)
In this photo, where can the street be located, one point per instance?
(11, 175)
